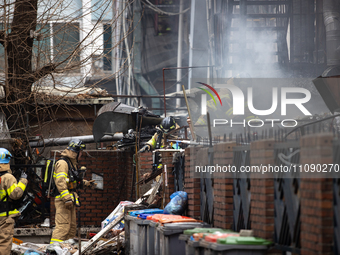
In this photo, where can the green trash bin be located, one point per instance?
(191, 246)
(237, 245)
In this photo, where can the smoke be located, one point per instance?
(253, 47)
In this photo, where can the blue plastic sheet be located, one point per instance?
(177, 204)
(31, 252)
(146, 211)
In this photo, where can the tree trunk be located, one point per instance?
(19, 62)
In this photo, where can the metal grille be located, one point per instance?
(241, 189)
(336, 198)
(286, 198)
(207, 193)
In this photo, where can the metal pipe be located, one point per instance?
(332, 23)
(179, 51)
(147, 96)
(65, 140)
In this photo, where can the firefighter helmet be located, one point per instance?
(168, 124)
(76, 145)
(5, 156)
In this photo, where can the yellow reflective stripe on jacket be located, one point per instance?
(64, 193)
(153, 142)
(59, 175)
(14, 185)
(15, 211)
(2, 193)
(56, 240)
(22, 186)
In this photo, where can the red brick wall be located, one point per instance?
(145, 166)
(316, 197)
(170, 188)
(223, 186)
(262, 191)
(191, 184)
(116, 167)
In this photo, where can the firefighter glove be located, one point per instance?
(23, 175)
(145, 148)
(68, 204)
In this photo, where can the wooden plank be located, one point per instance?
(107, 229)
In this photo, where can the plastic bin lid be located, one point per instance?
(201, 230)
(243, 240)
(177, 228)
(213, 238)
(155, 217)
(145, 211)
(175, 218)
(182, 225)
(144, 216)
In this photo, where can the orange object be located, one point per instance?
(176, 218)
(213, 238)
(155, 217)
(169, 218)
(17, 241)
(198, 236)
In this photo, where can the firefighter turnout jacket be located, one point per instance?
(9, 190)
(65, 218)
(157, 141)
(66, 187)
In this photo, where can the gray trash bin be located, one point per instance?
(260, 248)
(205, 247)
(169, 242)
(230, 249)
(150, 236)
(127, 224)
(153, 229)
(138, 235)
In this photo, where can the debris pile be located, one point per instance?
(110, 240)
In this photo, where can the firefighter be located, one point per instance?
(9, 190)
(68, 179)
(158, 140)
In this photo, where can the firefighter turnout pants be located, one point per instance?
(6, 235)
(66, 222)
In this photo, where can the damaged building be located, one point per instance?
(256, 162)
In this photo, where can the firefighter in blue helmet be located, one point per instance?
(10, 190)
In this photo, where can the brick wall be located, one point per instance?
(223, 186)
(316, 197)
(191, 184)
(116, 168)
(170, 188)
(144, 166)
(262, 191)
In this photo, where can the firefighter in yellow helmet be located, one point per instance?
(9, 190)
(68, 179)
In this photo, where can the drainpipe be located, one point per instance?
(332, 23)
(179, 52)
